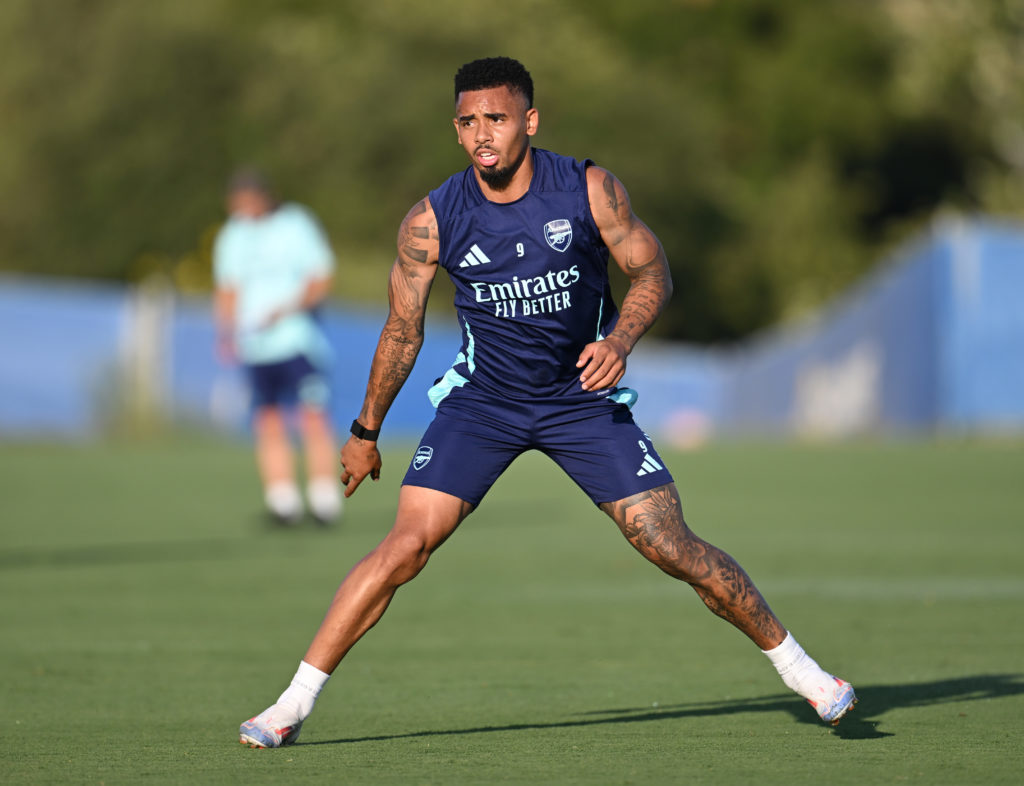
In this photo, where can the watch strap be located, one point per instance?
(361, 432)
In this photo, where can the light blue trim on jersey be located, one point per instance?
(626, 396)
(470, 349)
(600, 314)
(452, 379)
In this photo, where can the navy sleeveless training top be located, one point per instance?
(531, 281)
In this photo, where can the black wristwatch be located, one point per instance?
(362, 432)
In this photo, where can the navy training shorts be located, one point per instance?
(473, 439)
(288, 383)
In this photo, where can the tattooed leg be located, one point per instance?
(653, 522)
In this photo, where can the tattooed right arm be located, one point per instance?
(408, 287)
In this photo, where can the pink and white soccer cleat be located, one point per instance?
(835, 704)
(272, 728)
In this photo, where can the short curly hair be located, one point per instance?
(495, 72)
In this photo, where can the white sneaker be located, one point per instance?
(284, 502)
(324, 497)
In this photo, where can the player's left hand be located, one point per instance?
(603, 363)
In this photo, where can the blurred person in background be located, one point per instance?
(273, 268)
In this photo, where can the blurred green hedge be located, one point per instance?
(778, 149)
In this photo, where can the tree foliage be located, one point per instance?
(776, 148)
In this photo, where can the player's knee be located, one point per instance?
(269, 421)
(678, 552)
(402, 556)
(313, 418)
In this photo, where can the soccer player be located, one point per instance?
(525, 236)
(273, 267)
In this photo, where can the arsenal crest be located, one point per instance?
(422, 457)
(558, 233)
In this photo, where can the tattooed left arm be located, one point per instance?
(639, 255)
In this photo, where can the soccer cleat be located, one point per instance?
(265, 731)
(834, 706)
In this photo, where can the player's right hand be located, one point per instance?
(603, 363)
(359, 458)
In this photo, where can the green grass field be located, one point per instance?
(146, 609)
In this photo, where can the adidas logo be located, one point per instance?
(474, 257)
(649, 466)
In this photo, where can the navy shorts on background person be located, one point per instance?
(472, 440)
(287, 383)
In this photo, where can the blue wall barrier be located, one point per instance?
(981, 327)
(59, 348)
(933, 340)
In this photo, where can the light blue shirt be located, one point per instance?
(268, 262)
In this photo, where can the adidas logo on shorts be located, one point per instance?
(650, 464)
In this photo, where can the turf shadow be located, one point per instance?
(116, 554)
(874, 701)
(199, 549)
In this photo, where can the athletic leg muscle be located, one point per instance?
(424, 521)
(653, 522)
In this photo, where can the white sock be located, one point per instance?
(324, 498)
(306, 685)
(799, 670)
(283, 499)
